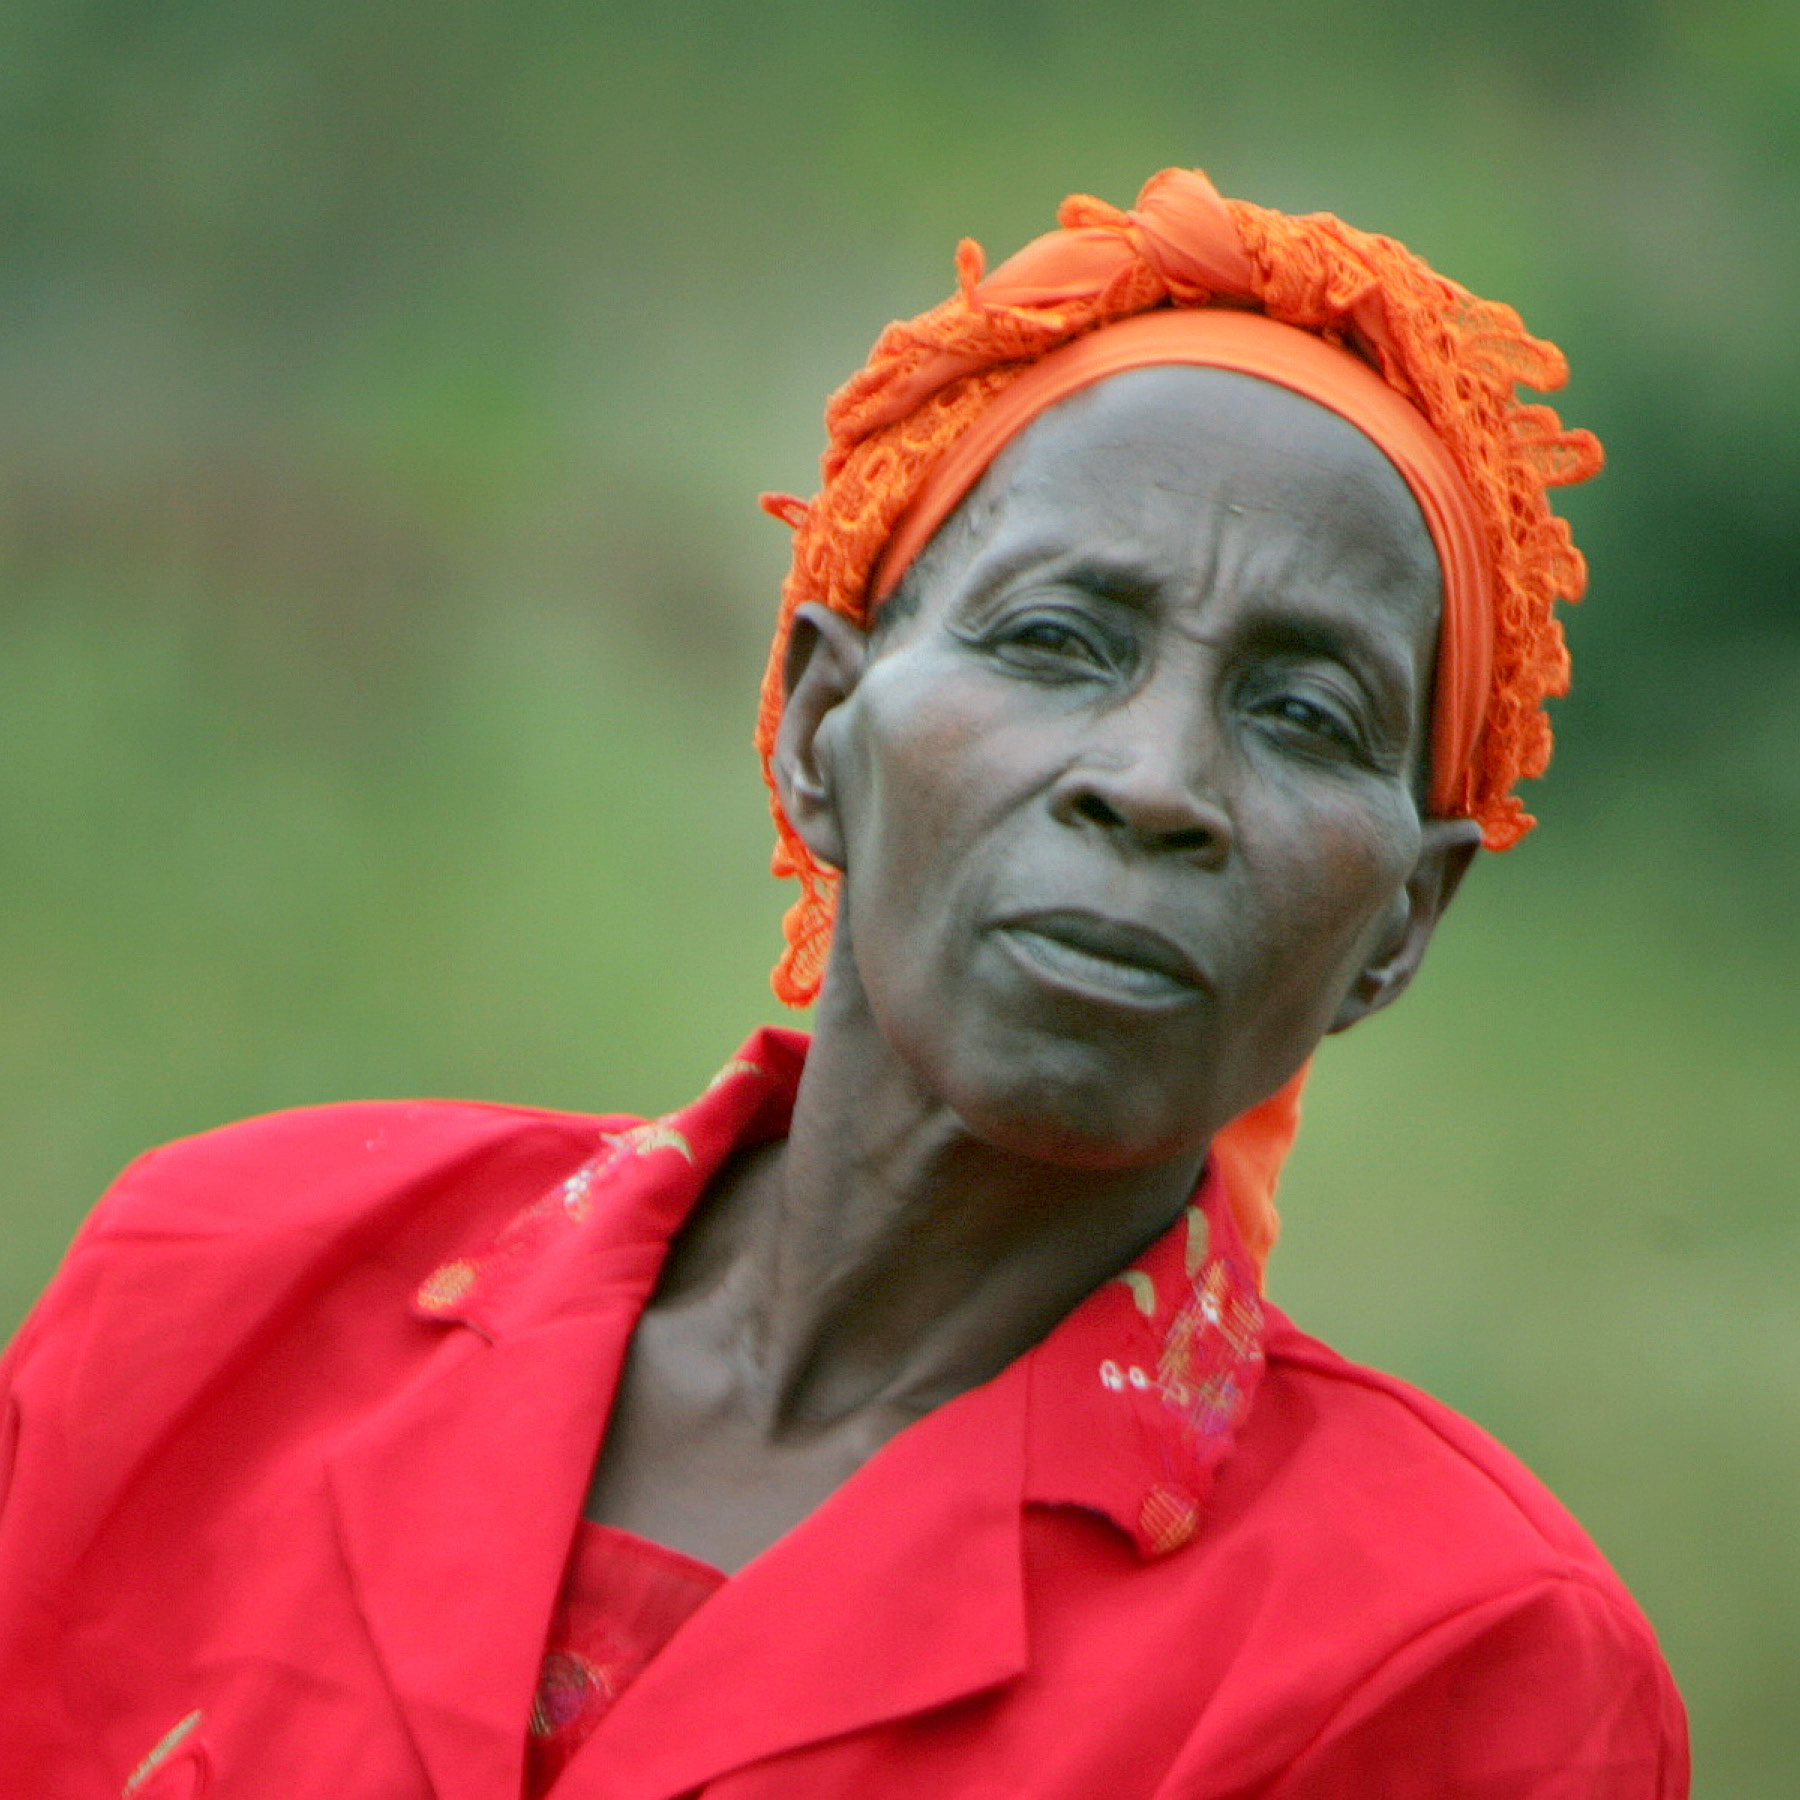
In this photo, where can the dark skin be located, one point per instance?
(1126, 805)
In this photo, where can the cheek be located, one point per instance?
(925, 754)
(1333, 896)
(909, 800)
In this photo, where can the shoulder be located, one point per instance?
(214, 1242)
(299, 1238)
(325, 1167)
(1462, 1634)
(1412, 1515)
(1407, 1470)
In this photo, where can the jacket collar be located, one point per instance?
(904, 1591)
(1137, 1396)
(457, 1502)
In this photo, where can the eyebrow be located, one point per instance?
(1126, 579)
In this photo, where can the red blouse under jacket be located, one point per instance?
(622, 1599)
(295, 1448)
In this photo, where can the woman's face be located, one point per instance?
(1126, 802)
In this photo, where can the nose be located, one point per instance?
(1150, 782)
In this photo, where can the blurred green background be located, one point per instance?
(384, 391)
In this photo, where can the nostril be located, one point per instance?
(1097, 810)
(1196, 837)
(1161, 817)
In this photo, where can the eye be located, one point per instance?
(1053, 643)
(1052, 635)
(1314, 721)
(1311, 717)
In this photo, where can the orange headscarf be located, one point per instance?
(1354, 321)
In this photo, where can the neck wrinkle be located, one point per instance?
(893, 1260)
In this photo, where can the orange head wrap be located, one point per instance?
(1354, 321)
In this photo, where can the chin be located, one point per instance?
(1075, 1125)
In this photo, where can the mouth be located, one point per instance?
(1105, 957)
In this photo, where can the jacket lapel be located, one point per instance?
(456, 1506)
(903, 1592)
(457, 1500)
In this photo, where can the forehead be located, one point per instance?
(1202, 474)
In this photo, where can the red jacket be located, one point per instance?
(296, 1444)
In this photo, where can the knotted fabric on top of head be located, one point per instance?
(1351, 320)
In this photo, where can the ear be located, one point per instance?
(825, 657)
(1448, 848)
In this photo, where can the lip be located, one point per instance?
(1111, 957)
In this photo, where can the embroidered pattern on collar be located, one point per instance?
(465, 1287)
(1140, 1392)
(1175, 1340)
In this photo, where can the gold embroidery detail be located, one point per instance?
(172, 1741)
(1216, 1329)
(640, 1140)
(568, 1686)
(1143, 1290)
(575, 1192)
(1199, 1240)
(444, 1287)
(737, 1066)
(1166, 1520)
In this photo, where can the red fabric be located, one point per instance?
(622, 1599)
(296, 1445)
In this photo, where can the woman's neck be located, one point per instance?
(882, 1259)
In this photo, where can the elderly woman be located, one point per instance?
(903, 1418)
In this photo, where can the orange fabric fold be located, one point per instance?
(1250, 1152)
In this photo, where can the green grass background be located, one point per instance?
(383, 394)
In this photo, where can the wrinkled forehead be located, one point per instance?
(1168, 462)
